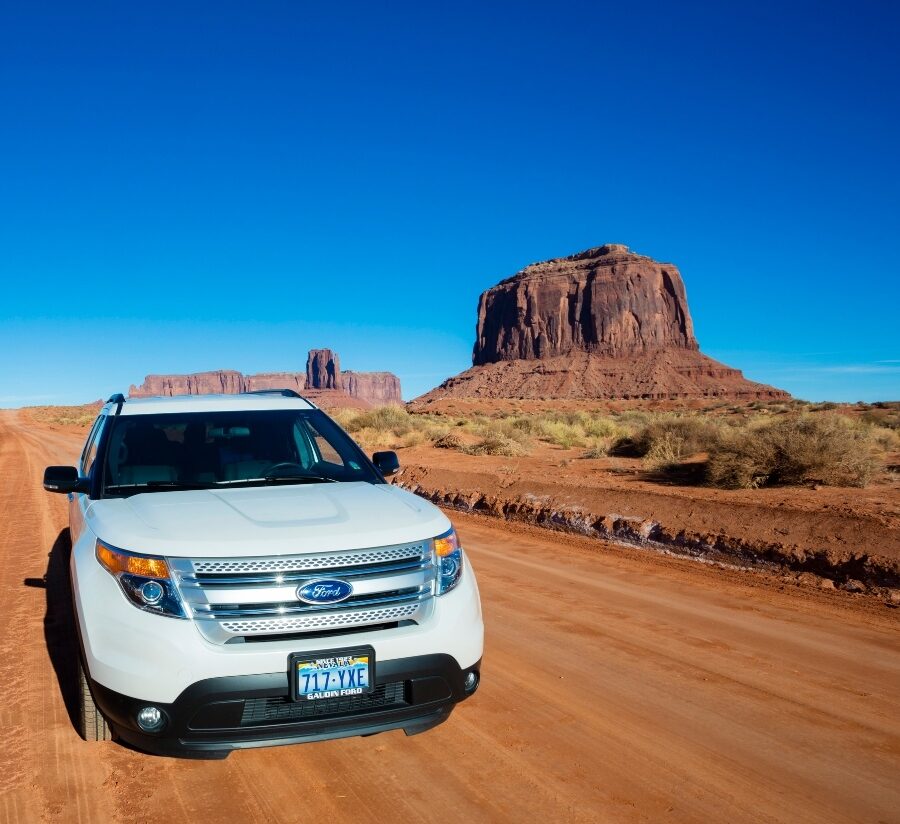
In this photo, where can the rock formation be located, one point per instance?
(379, 388)
(604, 323)
(323, 370)
(323, 382)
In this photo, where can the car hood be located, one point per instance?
(272, 520)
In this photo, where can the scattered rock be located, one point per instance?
(852, 585)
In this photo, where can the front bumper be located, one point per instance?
(217, 715)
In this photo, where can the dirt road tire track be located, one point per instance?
(617, 687)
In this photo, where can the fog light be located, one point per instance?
(471, 682)
(150, 719)
(151, 592)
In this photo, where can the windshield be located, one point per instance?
(200, 450)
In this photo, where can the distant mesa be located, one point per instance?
(322, 382)
(605, 323)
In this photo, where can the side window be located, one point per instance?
(326, 451)
(88, 441)
(90, 452)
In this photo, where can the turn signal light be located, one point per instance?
(117, 562)
(446, 544)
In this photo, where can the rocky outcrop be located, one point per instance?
(217, 382)
(379, 388)
(323, 370)
(323, 382)
(604, 323)
(605, 301)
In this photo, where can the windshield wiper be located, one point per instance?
(298, 479)
(165, 485)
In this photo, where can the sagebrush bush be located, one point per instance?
(497, 445)
(449, 441)
(389, 418)
(670, 438)
(825, 448)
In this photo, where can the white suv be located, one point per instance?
(244, 576)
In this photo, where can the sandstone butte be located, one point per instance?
(323, 382)
(601, 324)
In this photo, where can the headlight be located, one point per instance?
(449, 560)
(144, 580)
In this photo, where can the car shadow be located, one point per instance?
(59, 622)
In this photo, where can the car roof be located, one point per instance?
(210, 403)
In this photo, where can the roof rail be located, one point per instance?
(287, 393)
(118, 399)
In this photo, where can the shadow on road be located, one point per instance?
(59, 627)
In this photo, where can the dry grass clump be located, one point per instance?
(824, 448)
(83, 415)
(667, 439)
(389, 427)
(393, 419)
(599, 449)
(564, 429)
(449, 441)
(497, 444)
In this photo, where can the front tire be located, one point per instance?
(91, 724)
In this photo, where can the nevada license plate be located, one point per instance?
(333, 675)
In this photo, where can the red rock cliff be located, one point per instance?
(606, 300)
(323, 381)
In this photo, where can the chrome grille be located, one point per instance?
(234, 597)
(305, 563)
(316, 622)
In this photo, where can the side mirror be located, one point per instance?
(64, 479)
(387, 462)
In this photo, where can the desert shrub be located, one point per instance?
(885, 439)
(826, 448)
(670, 438)
(370, 439)
(601, 427)
(665, 451)
(497, 445)
(389, 418)
(449, 441)
(598, 449)
(562, 434)
(740, 460)
(412, 438)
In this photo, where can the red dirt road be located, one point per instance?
(618, 686)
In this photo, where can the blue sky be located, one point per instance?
(225, 185)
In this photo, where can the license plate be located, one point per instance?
(337, 674)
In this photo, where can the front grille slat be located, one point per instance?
(314, 563)
(216, 611)
(312, 622)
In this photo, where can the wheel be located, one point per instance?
(91, 723)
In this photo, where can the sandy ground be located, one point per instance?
(618, 686)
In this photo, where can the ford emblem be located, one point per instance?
(324, 591)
